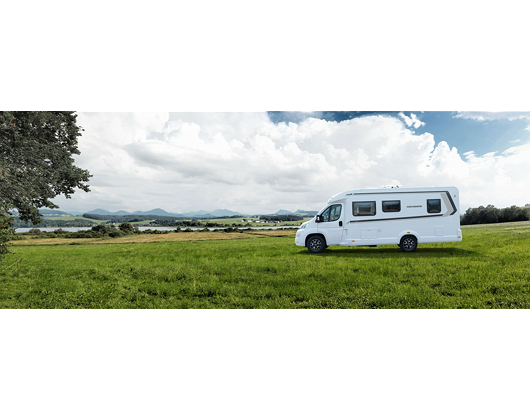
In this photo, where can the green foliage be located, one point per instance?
(6, 231)
(489, 269)
(36, 163)
(126, 228)
(491, 214)
(55, 222)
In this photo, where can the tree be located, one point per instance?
(5, 230)
(491, 214)
(126, 227)
(36, 163)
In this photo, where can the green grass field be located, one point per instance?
(489, 269)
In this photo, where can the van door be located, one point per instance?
(331, 224)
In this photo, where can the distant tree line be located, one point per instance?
(131, 218)
(105, 231)
(282, 218)
(491, 214)
(17, 223)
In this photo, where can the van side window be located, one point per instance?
(325, 215)
(335, 212)
(391, 206)
(434, 206)
(332, 213)
(364, 208)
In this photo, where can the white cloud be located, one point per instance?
(412, 120)
(244, 162)
(481, 116)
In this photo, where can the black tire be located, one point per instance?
(316, 243)
(408, 243)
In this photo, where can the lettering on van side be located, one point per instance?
(409, 207)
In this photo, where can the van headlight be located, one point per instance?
(303, 226)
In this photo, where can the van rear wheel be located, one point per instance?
(408, 243)
(316, 244)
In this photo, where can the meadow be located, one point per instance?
(265, 269)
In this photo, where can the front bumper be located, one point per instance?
(300, 238)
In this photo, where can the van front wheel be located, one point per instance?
(408, 243)
(316, 244)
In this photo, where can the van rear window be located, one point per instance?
(364, 208)
(434, 206)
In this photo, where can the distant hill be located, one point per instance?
(154, 212)
(158, 212)
(200, 213)
(212, 214)
(191, 214)
(53, 212)
(283, 212)
(225, 212)
(306, 213)
(161, 212)
(103, 212)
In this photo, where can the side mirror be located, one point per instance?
(319, 218)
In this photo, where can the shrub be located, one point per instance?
(126, 228)
(6, 231)
(101, 228)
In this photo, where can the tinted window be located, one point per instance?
(364, 208)
(434, 206)
(325, 215)
(391, 206)
(335, 212)
(332, 213)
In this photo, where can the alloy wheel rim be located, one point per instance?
(408, 243)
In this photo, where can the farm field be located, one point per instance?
(264, 269)
(240, 220)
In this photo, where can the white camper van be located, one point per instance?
(402, 216)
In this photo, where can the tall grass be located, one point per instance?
(489, 269)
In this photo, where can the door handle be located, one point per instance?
(340, 223)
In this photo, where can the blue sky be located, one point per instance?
(260, 162)
(466, 134)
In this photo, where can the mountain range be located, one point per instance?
(161, 212)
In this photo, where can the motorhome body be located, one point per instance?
(402, 216)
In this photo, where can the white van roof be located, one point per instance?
(343, 195)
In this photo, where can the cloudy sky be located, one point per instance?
(260, 162)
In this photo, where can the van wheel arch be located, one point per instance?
(316, 243)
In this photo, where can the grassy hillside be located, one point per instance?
(70, 218)
(489, 269)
